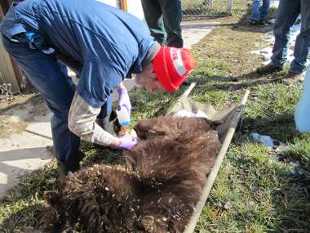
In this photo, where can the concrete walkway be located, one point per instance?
(25, 140)
(28, 147)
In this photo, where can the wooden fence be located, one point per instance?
(9, 72)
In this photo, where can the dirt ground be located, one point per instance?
(14, 123)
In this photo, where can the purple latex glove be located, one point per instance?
(128, 141)
(124, 99)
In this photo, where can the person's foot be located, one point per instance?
(266, 22)
(262, 22)
(269, 69)
(62, 171)
(293, 77)
(254, 22)
(66, 168)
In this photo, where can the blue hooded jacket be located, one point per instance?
(108, 43)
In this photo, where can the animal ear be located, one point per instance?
(51, 197)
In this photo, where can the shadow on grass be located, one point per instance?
(291, 192)
(244, 81)
(280, 127)
(294, 201)
(267, 195)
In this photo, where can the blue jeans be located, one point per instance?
(288, 12)
(259, 11)
(49, 77)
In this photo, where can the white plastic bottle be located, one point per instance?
(123, 116)
(302, 111)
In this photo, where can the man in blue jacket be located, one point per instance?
(103, 45)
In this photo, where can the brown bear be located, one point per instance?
(155, 192)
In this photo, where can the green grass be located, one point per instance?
(257, 190)
(265, 191)
(218, 8)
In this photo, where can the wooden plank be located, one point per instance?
(188, 91)
(7, 72)
(190, 228)
(123, 5)
(18, 74)
(172, 108)
(7, 69)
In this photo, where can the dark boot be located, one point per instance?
(269, 69)
(73, 165)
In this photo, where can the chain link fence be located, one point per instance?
(6, 94)
(193, 9)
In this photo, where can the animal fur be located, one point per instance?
(155, 193)
(171, 127)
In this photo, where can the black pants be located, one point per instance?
(164, 20)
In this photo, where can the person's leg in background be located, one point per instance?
(255, 15)
(154, 19)
(302, 44)
(287, 14)
(264, 9)
(172, 16)
(46, 75)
